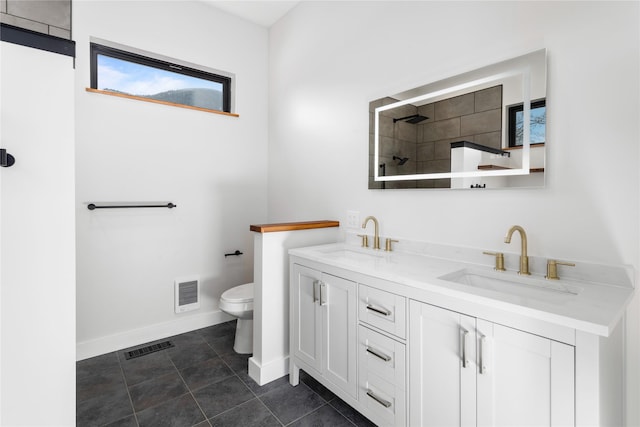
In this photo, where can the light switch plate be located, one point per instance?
(353, 219)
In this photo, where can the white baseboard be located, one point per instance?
(265, 373)
(110, 343)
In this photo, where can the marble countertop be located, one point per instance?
(597, 299)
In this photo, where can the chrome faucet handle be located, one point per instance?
(499, 260)
(552, 268)
(365, 240)
(387, 244)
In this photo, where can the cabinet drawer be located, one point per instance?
(382, 372)
(381, 355)
(382, 309)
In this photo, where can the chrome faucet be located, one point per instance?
(376, 236)
(524, 259)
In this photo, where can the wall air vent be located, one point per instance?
(187, 294)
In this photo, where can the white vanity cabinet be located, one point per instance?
(391, 338)
(466, 372)
(323, 333)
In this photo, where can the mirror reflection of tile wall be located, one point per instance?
(475, 117)
(52, 17)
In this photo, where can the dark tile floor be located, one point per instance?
(200, 382)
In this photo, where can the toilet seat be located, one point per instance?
(238, 301)
(238, 294)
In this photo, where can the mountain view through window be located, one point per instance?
(130, 78)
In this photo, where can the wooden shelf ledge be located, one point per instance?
(291, 226)
(496, 167)
(491, 167)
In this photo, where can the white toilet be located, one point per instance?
(238, 302)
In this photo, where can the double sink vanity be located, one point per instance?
(418, 334)
(434, 335)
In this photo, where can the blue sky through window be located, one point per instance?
(141, 80)
(537, 126)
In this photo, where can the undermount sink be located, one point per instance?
(355, 255)
(509, 283)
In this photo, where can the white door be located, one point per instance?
(442, 368)
(338, 300)
(307, 315)
(526, 380)
(37, 235)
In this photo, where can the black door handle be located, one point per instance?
(6, 159)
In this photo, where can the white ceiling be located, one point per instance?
(262, 12)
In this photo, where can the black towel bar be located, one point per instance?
(92, 206)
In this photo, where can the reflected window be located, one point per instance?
(128, 73)
(537, 126)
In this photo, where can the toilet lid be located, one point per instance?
(242, 293)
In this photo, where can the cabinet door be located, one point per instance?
(306, 316)
(525, 380)
(338, 300)
(441, 367)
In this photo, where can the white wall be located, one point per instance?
(212, 166)
(329, 59)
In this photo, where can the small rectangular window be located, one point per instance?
(537, 125)
(121, 72)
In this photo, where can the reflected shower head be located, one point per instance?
(416, 118)
(402, 160)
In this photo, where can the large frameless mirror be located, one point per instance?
(481, 129)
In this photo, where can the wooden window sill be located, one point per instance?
(155, 101)
(519, 147)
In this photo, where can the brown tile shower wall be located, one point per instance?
(475, 117)
(396, 139)
(51, 17)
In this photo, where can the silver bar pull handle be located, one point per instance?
(378, 354)
(323, 293)
(378, 399)
(378, 310)
(463, 346)
(315, 291)
(482, 360)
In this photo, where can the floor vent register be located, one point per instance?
(148, 350)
